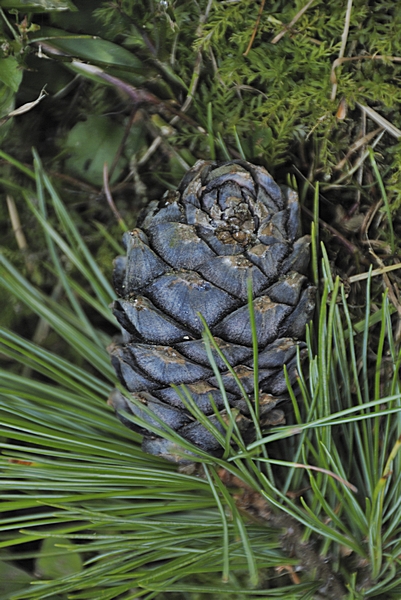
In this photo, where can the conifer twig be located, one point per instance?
(257, 507)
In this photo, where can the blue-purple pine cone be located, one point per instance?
(194, 252)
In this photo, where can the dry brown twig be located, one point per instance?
(359, 162)
(16, 224)
(374, 273)
(369, 216)
(381, 121)
(392, 293)
(299, 14)
(42, 329)
(344, 38)
(109, 198)
(360, 143)
(255, 28)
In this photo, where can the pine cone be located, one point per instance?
(194, 252)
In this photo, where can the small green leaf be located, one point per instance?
(57, 559)
(12, 578)
(7, 104)
(10, 72)
(92, 49)
(93, 143)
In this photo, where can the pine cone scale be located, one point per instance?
(182, 295)
(179, 245)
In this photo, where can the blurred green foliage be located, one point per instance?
(276, 96)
